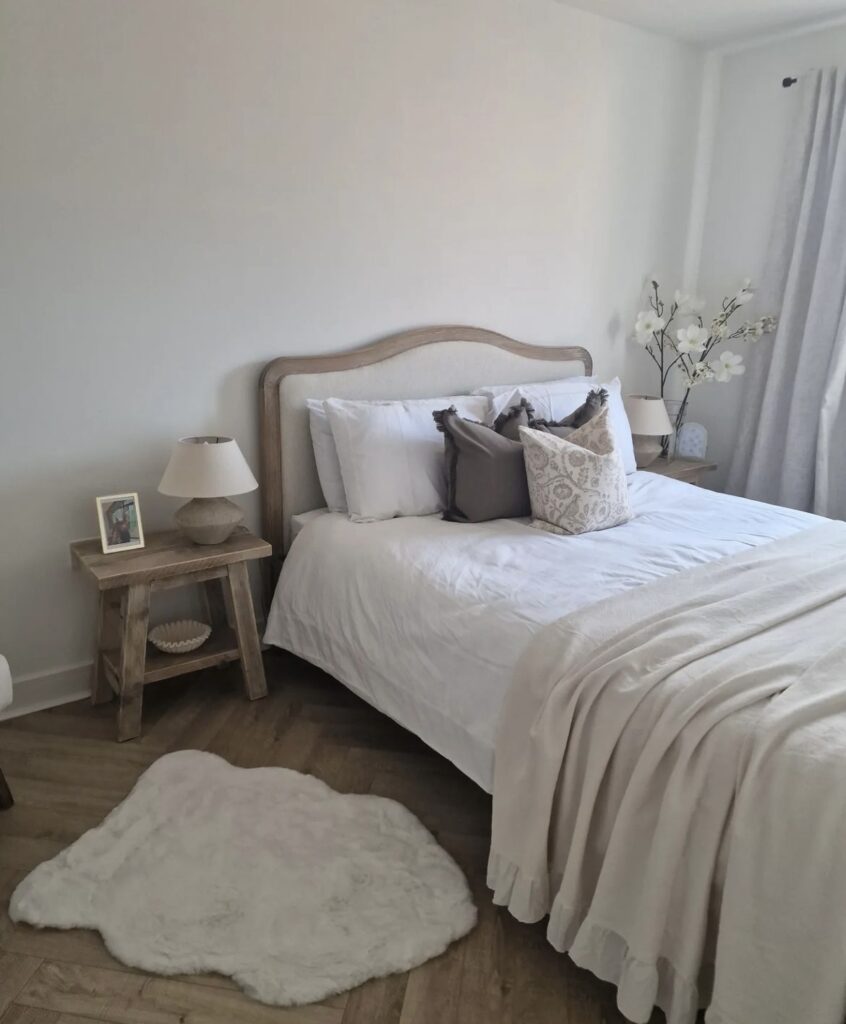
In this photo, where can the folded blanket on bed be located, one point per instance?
(670, 786)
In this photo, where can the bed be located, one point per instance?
(497, 638)
(426, 619)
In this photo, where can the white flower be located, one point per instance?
(692, 339)
(745, 293)
(700, 374)
(754, 329)
(719, 329)
(727, 366)
(688, 304)
(647, 324)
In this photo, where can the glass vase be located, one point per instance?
(677, 411)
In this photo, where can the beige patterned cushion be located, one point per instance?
(577, 484)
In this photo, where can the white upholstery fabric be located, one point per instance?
(5, 683)
(444, 368)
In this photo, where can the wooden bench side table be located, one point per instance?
(123, 664)
(691, 471)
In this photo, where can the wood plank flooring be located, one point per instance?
(66, 772)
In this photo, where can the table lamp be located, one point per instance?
(650, 423)
(207, 470)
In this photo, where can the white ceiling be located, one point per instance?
(714, 22)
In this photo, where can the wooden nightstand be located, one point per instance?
(689, 470)
(124, 661)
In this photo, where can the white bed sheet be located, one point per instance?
(426, 619)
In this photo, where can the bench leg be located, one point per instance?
(6, 799)
(214, 602)
(133, 656)
(108, 637)
(245, 626)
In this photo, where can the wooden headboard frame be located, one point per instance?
(394, 345)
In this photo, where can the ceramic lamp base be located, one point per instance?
(646, 449)
(209, 520)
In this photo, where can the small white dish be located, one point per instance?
(179, 637)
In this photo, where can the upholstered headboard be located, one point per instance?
(423, 363)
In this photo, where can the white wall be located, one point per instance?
(188, 189)
(754, 118)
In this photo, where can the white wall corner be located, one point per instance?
(707, 131)
(703, 163)
(807, 28)
(37, 691)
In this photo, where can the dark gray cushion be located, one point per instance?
(486, 476)
(508, 423)
(593, 404)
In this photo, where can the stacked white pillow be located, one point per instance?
(326, 457)
(377, 460)
(553, 400)
(381, 459)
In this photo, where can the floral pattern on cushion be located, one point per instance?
(577, 484)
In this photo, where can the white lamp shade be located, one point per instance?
(207, 467)
(648, 416)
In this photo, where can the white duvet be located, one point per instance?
(426, 619)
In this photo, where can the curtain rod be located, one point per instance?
(787, 82)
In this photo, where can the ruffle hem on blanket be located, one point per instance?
(641, 985)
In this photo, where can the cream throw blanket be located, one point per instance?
(670, 787)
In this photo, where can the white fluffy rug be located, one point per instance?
(262, 874)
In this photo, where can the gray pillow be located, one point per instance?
(592, 406)
(508, 423)
(486, 475)
(486, 471)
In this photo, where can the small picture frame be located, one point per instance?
(120, 522)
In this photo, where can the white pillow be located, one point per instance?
(555, 399)
(502, 396)
(392, 455)
(326, 457)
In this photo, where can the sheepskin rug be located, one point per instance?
(264, 874)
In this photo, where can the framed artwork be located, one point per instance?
(120, 522)
(692, 441)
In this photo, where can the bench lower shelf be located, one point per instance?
(221, 647)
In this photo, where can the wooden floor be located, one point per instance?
(66, 772)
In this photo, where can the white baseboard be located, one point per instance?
(41, 690)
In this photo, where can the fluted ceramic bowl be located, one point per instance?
(179, 637)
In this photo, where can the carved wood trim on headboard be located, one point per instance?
(274, 372)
